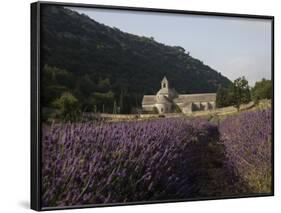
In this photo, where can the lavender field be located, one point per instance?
(248, 148)
(161, 159)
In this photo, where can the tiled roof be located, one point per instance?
(188, 98)
(148, 99)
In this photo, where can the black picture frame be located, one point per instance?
(36, 183)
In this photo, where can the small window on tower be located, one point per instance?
(164, 85)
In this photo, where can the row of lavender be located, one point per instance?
(94, 163)
(248, 148)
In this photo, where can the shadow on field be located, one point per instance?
(215, 178)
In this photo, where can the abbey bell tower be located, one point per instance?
(164, 83)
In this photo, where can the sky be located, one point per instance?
(232, 46)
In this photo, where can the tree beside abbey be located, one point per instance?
(239, 92)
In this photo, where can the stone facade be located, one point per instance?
(167, 99)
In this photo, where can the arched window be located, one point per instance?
(164, 85)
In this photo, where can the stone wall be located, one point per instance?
(197, 106)
(128, 117)
(147, 108)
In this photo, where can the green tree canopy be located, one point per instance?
(102, 102)
(236, 94)
(222, 99)
(241, 92)
(69, 107)
(262, 90)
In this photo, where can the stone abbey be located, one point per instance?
(167, 99)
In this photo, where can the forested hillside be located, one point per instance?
(103, 67)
